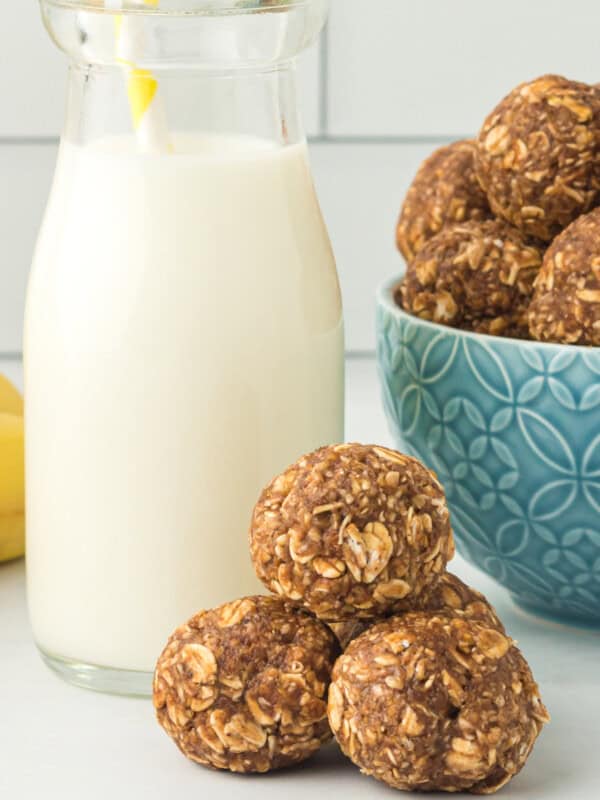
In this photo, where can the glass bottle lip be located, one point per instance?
(184, 7)
(199, 34)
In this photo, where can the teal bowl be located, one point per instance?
(512, 429)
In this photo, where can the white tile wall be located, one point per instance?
(436, 67)
(309, 84)
(397, 77)
(25, 175)
(361, 187)
(32, 75)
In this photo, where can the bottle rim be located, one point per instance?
(167, 8)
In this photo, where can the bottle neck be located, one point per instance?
(174, 104)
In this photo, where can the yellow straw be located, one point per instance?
(141, 88)
(147, 113)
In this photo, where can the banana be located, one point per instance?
(11, 401)
(12, 536)
(12, 487)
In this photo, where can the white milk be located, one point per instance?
(184, 343)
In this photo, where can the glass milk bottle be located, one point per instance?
(184, 335)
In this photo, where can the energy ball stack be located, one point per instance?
(430, 692)
(479, 216)
(353, 540)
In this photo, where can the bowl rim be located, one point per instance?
(385, 299)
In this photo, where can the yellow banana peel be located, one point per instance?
(12, 487)
(12, 536)
(11, 401)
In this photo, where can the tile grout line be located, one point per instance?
(332, 139)
(322, 138)
(351, 355)
(20, 141)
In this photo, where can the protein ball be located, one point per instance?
(445, 190)
(537, 155)
(566, 302)
(352, 531)
(514, 324)
(477, 276)
(449, 595)
(436, 702)
(244, 687)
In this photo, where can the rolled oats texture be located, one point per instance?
(452, 595)
(352, 531)
(436, 702)
(449, 595)
(477, 276)
(244, 687)
(445, 190)
(537, 155)
(566, 301)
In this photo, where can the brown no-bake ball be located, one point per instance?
(435, 702)
(513, 324)
(449, 595)
(566, 301)
(537, 155)
(445, 190)
(243, 687)
(476, 275)
(352, 531)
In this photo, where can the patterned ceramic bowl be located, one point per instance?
(512, 429)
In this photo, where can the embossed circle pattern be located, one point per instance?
(513, 431)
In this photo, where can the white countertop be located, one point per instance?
(57, 741)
